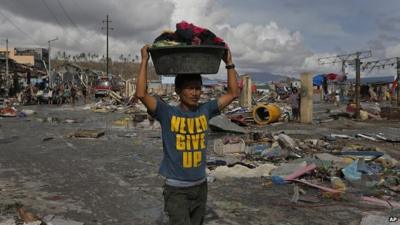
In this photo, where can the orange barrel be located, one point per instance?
(266, 114)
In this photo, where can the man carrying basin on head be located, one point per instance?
(184, 136)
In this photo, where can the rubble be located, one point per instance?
(239, 171)
(8, 139)
(222, 123)
(336, 158)
(379, 220)
(85, 133)
(221, 148)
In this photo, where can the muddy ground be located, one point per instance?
(113, 179)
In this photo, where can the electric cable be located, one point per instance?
(67, 15)
(19, 29)
(51, 12)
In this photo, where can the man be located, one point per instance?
(184, 139)
(294, 100)
(73, 93)
(84, 93)
(50, 96)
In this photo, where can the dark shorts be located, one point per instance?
(296, 113)
(185, 205)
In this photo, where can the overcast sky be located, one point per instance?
(283, 37)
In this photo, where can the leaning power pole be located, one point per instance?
(381, 64)
(343, 59)
(107, 28)
(7, 59)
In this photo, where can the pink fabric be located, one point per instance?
(300, 172)
(196, 32)
(184, 25)
(331, 76)
(331, 190)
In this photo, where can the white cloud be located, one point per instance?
(205, 13)
(392, 51)
(255, 47)
(311, 65)
(263, 47)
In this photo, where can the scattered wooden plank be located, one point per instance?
(82, 133)
(380, 202)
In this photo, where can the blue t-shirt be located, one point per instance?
(184, 138)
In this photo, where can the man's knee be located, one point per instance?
(176, 206)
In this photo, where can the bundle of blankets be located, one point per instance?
(188, 34)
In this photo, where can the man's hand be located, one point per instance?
(227, 57)
(145, 53)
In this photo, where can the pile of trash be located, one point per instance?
(365, 173)
(9, 110)
(23, 216)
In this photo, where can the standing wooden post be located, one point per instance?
(397, 79)
(245, 99)
(358, 83)
(306, 98)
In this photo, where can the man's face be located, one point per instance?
(190, 94)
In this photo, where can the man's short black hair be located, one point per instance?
(182, 79)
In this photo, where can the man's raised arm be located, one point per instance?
(141, 83)
(233, 89)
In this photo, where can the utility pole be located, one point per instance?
(358, 82)
(6, 77)
(107, 29)
(397, 79)
(49, 69)
(7, 59)
(381, 64)
(352, 57)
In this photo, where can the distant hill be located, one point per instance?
(259, 77)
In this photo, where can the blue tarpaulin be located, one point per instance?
(318, 79)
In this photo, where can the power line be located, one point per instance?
(353, 58)
(51, 12)
(381, 64)
(19, 29)
(71, 21)
(67, 15)
(345, 57)
(55, 17)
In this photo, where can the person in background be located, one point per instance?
(294, 100)
(39, 96)
(50, 96)
(84, 93)
(73, 93)
(67, 94)
(372, 95)
(61, 94)
(184, 131)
